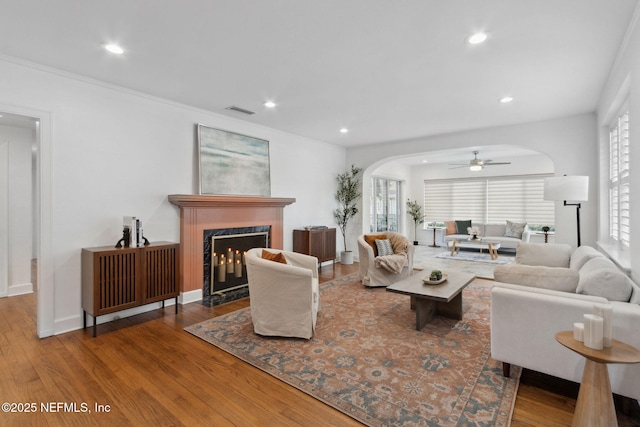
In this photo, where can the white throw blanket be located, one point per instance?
(392, 263)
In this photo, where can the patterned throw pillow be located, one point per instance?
(515, 229)
(384, 247)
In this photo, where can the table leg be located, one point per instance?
(451, 309)
(453, 248)
(434, 239)
(425, 312)
(492, 251)
(595, 402)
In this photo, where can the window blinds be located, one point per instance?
(619, 194)
(490, 200)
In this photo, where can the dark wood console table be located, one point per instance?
(317, 242)
(115, 279)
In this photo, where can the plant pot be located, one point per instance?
(346, 257)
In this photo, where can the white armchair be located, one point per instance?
(373, 275)
(285, 298)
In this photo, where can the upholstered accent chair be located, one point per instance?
(285, 295)
(381, 270)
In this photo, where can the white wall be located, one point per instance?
(18, 221)
(570, 143)
(115, 153)
(623, 84)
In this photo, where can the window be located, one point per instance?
(384, 204)
(619, 194)
(489, 200)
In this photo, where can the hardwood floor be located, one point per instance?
(145, 370)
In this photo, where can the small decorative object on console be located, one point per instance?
(132, 233)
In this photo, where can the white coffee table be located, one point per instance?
(444, 299)
(491, 246)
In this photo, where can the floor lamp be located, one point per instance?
(575, 188)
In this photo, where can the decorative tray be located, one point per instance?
(428, 281)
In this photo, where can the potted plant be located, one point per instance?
(415, 211)
(347, 195)
(435, 275)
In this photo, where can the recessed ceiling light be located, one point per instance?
(114, 48)
(477, 38)
(425, 161)
(506, 99)
(344, 130)
(270, 104)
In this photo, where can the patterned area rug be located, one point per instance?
(367, 360)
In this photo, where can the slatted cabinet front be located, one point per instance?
(115, 279)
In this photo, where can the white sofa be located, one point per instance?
(545, 291)
(374, 275)
(285, 298)
(495, 232)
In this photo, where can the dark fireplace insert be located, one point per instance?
(225, 272)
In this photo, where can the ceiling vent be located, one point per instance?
(240, 110)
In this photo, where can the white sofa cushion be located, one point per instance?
(494, 230)
(555, 278)
(581, 255)
(547, 254)
(600, 277)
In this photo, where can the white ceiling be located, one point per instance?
(387, 70)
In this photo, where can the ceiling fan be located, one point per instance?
(477, 164)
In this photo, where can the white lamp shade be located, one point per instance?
(573, 188)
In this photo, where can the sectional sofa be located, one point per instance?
(546, 290)
(508, 237)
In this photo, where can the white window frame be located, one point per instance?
(619, 183)
(385, 207)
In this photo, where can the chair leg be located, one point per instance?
(506, 369)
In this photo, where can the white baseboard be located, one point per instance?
(25, 288)
(190, 296)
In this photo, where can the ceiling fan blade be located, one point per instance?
(497, 163)
(458, 167)
(458, 164)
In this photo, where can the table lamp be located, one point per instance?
(575, 188)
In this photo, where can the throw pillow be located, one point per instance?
(515, 229)
(371, 240)
(274, 256)
(600, 277)
(581, 255)
(384, 247)
(461, 227)
(451, 227)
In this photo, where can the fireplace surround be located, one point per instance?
(207, 212)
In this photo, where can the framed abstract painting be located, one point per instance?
(233, 164)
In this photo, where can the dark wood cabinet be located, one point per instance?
(317, 242)
(115, 279)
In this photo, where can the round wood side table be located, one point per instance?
(595, 401)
